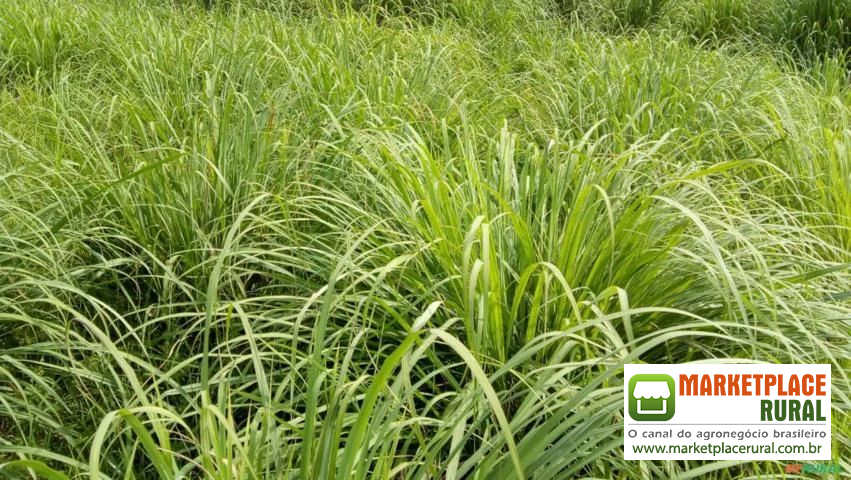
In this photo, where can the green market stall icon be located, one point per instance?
(651, 397)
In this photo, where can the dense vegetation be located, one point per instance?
(411, 239)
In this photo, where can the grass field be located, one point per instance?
(349, 239)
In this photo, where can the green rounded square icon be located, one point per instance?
(651, 397)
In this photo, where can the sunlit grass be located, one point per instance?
(351, 240)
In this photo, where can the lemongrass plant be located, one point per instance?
(333, 240)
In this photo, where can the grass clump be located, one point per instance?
(818, 28)
(718, 20)
(250, 242)
(632, 14)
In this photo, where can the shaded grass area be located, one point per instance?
(327, 242)
(806, 30)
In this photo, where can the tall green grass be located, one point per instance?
(360, 241)
(819, 27)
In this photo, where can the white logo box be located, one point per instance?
(734, 423)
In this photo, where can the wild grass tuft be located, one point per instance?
(818, 27)
(719, 20)
(327, 240)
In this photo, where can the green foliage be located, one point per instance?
(818, 27)
(719, 19)
(374, 240)
(565, 8)
(632, 14)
